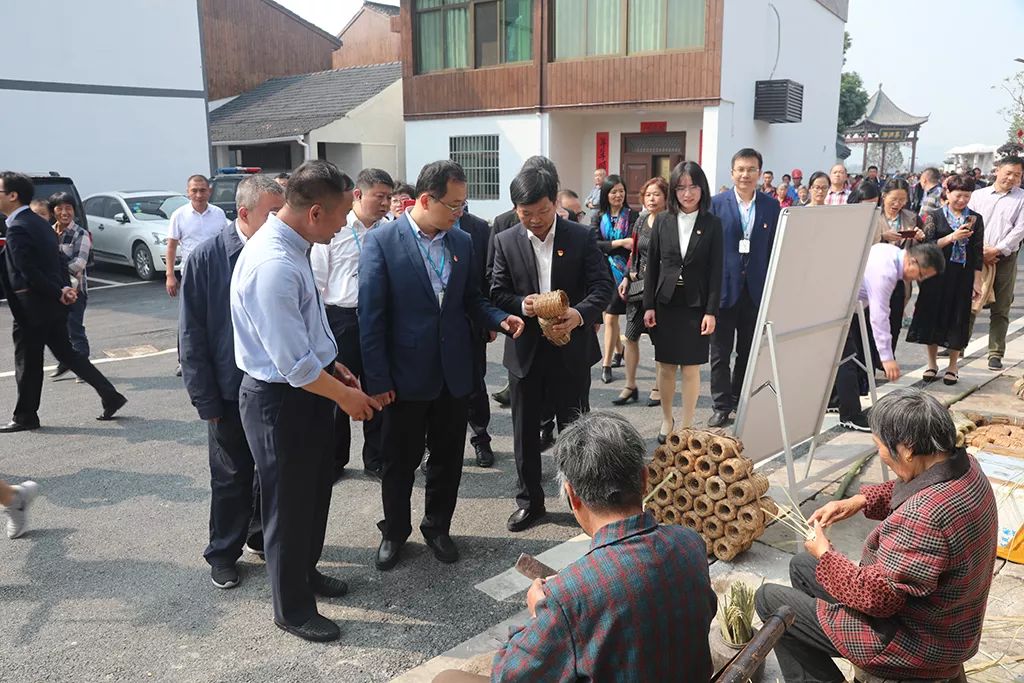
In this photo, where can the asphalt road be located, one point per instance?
(110, 583)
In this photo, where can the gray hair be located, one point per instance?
(602, 456)
(250, 189)
(928, 255)
(914, 419)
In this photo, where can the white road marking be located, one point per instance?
(114, 285)
(99, 361)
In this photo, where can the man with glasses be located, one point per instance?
(418, 293)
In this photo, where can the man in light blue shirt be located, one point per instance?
(284, 346)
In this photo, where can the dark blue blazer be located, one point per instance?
(738, 269)
(206, 338)
(33, 270)
(410, 344)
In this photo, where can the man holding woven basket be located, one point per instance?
(549, 270)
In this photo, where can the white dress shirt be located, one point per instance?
(241, 235)
(191, 228)
(883, 270)
(336, 265)
(1003, 214)
(685, 221)
(544, 251)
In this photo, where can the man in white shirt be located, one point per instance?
(190, 226)
(1002, 209)
(336, 272)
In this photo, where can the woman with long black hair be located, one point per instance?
(613, 227)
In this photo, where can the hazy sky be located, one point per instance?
(908, 47)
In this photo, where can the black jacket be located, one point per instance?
(577, 266)
(701, 269)
(501, 222)
(206, 336)
(34, 272)
(478, 229)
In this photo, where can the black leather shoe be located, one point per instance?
(60, 371)
(719, 418)
(13, 426)
(319, 629)
(444, 548)
(547, 438)
(632, 397)
(111, 408)
(388, 554)
(606, 374)
(524, 518)
(502, 397)
(662, 439)
(617, 360)
(653, 402)
(484, 454)
(327, 586)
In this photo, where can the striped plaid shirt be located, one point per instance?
(914, 607)
(636, 607)
(76, 243)
(834, 198)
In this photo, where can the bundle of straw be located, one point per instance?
(725, 510)
(677, 481)
(663, 496)
(670, 515)
(693, 520)
(714, 527)
(734, 469)
(653, 475)
(684, 461)
(722, 448)
(679, 440)
(683, 500)
(699, 442)
(714, 487)
(655, 510)
(741, 492)
(705, 466)
(664, 457)
(694, 483)
(704, 506)
(751, 516)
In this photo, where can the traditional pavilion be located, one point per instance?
(884, 123)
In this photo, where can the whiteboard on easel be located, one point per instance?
(810, 297)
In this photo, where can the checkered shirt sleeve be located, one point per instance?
(539, 651)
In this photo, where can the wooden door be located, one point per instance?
(636, 170)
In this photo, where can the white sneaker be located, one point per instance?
(17, 521)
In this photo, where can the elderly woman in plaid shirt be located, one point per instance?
(914, 606)
(75, 243)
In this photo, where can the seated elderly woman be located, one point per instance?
(638, 605)
(914, 606)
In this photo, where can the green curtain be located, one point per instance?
(456, 38)
(604, 27)
(686, 24)
(429, 42)
(570, 38)
(646, 25)
(427, 4)
(518, 23)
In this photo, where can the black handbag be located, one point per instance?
(635, 291)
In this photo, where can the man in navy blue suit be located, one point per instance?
(748, 220)
(418, 293)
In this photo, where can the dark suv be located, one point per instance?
(225, 184)
(48, 184)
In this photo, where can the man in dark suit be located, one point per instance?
(418, 292)
(38, 293)
(749, 220)
(545, 253)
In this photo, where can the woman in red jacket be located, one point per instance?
(914, 606)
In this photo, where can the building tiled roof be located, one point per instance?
(883, 113)
(296, 105)
(390, 10)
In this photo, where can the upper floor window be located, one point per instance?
(588, 28)
(478, 156)
(459, 34)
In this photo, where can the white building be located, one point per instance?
(119, 102)
(969, 157)
(633, 93)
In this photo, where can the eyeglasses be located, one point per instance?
(453, 209)
(684, 189)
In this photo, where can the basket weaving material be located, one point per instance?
(655, 510)
(741, 492)
(714, 527)
(653, 475)
(705, 466)
(684, 461)
(734, 531)
(699, 442)
(669, 515)
(679, 440)
(558, 339)
(551, 305)
(664, 457)
(760, 483)
(676, 482)
(663, 496)
(714, 487)
(725, 510)
(722, 448)
(693, 520)
(750, 516)
(694, 483)
(703, 506)
(768, 505)
(734, 469)
(726, 549)
(683, 500)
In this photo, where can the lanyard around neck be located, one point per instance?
(438, 269)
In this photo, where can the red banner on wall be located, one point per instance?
(601, 141)
(654, 126)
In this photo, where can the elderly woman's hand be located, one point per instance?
(838, 510)
(819, 545)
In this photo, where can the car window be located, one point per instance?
(111, 208)
(224, 191)
(94, 205)
(155, 207)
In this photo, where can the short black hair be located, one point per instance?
(786, 175)
(282, 176)
(872, 166)
(975, 170)
(866, 192)
(369, 177)
(1010, 159)
(197, 176)
(532, 185)
(767, 172)
(19, 183)
(747, 153)
(404, 188)
(932, 173)
(316, 182)
(58, 198)
(697, 177)
(606, 187)
(541, 162)
(961, 183)
(569, 193)
(815, 176)
(928, 255)
(435, 176)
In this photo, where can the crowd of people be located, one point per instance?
(330, 301)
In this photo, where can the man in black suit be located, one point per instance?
(38, 293)
(545, 253)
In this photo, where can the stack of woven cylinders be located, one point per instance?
(701, 479)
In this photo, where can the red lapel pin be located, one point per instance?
(561, 252)
(455, 257)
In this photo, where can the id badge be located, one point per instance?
(744, 246)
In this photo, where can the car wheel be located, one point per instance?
(143, 262)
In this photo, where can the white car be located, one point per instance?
(130, 228)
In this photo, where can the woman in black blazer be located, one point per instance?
(682, 289)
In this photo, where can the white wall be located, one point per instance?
(105, 141)
(811, 54)
(519, 136)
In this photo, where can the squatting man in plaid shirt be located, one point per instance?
(914, 606)
(638, 605)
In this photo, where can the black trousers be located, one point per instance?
(734, 329)
(897, 306)
(441, 424)
(290, 432)
(29, 341)
(345, 327)
(548, 385)
(479, 402)
(235, 490)
(805, 652)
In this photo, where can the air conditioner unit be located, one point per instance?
(779, 101)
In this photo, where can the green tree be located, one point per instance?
(853, 99)
(1014, 111)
